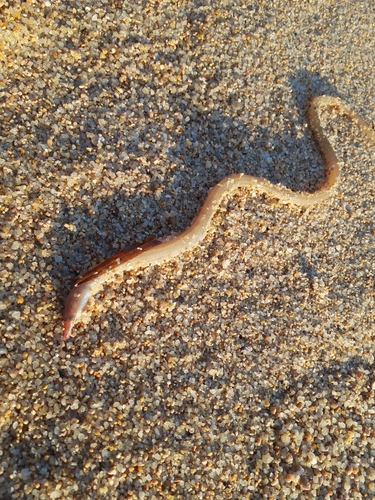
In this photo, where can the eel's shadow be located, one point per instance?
(220, 145)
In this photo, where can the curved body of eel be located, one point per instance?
(152, 251)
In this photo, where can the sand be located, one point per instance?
(243, 369)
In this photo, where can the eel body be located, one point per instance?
(153, 251)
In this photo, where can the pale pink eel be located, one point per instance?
(152, 251)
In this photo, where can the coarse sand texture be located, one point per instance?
(237, 363)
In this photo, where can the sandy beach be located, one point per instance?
(244, 368)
